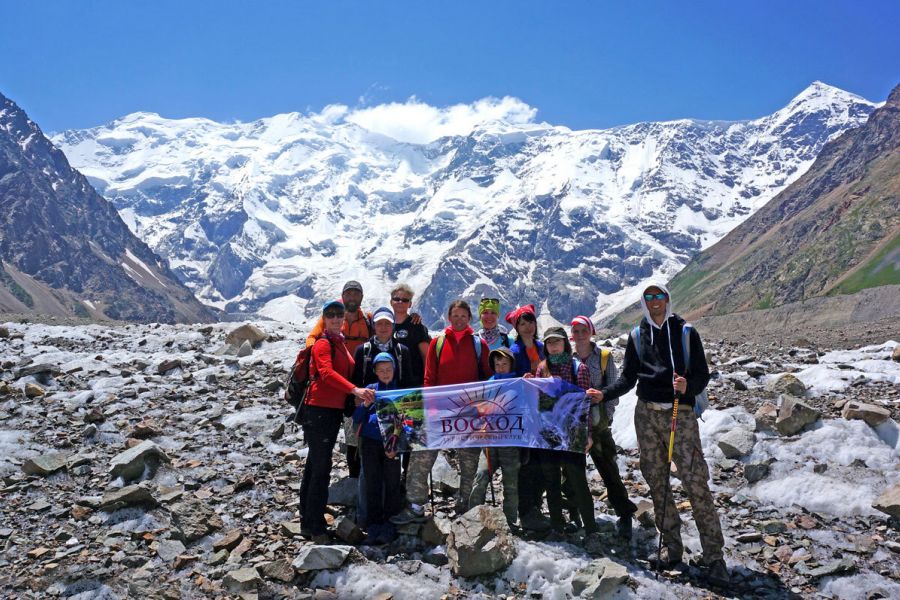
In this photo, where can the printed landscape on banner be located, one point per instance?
(533, 413)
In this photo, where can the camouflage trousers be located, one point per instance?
(652, 427)
(420, 464)
(507, 460)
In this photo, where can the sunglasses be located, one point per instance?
(399, 299)
(659, 296)
(490, 301)
(334, 315)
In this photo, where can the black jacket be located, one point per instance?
(652, 371)
(364, 371)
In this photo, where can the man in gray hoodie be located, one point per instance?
(655, 361)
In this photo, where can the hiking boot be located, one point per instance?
(717, 573)
(408, 515)
(535, 521)
(623, 527)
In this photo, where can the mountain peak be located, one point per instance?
(824, 95)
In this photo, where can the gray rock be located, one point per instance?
(242, 580)
(788, 384)
(347, 531)
(765, 417)
(194, 519)
(444, 476)
(794, 415)
(871, 414)
(40, 371)
(4, 332)
(895, 355)
(279, 569)
(737, 443)
(837, 567)
(130, 465)
(246, 349)
(291, 529)
(600, 579)
(434, 531)
(245, 333)
(889, 501)
(45, 464)
(218, 558)
(316, 558)
(168, 550)
(344, 492)
(757, 471)
(168, 365)
(33, 390)
(130, 495)
(436, 556)
(480, 542)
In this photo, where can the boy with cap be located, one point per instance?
(506, 459)
(380, 468)
(383, 341)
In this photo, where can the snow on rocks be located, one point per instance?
(737, 443)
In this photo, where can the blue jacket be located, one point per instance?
(367, 417)
(523, 364)
(497, 376)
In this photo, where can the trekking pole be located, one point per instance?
(431, 492)
(668, 475)
(487, 453)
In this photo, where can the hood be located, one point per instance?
(669, 311)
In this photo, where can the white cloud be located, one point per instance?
(416, 122)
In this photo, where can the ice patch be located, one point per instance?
(370, 579)
(871, 362)
(860, 587)
(546, 569)
(13, 449)
(256, 417)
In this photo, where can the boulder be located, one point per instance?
(889, 501)
(788, 384)
(444, 476)
(871, 414)
(242, 581)
(168, 550)
(45, 464)
(344, 492)
(229, 540)
(33, 390)
(794, 415)
(754, 472)
(193, 519)
(168, 365)
(347, 531)
(434, 531)
(130, 495)
(245, 333)
(479, 542)
(895, 355)
(246, 349)
(280, 569)
(765, 417)
(600, 579)
(316, 558)
(4, 332)
(130, 465)
(737, 443)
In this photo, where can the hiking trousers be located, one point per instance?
(320, 431)
(653, 427)
(603, 453)
(507, 460)
(420, 464)
(382, 481)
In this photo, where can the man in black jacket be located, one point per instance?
(655, 361)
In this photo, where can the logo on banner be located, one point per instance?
(483, 412)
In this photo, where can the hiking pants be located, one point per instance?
(382, 481)
(507, 460)
(420, 464)
(653, 427)
(603, 453)
(320, 431)
(569, 476)
(531, 481)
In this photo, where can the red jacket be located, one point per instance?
(332, 380)
(459, 363)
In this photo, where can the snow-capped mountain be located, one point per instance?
(273, 215)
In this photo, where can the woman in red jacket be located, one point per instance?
(463, 358)
(331, 368)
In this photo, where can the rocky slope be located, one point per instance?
(835, 230)
(64, 249)
(152, 461)
(273, 215)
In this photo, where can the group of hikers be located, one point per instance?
(353, 355)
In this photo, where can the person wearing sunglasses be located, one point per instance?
(409, 331)
(331, 368)
(356, 326)
(491, 331)
(655, 362)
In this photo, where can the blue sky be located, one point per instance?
(580, 64)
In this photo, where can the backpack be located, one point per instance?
(701, 400)
(439, 346)
(368, 355)
(299, 378)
